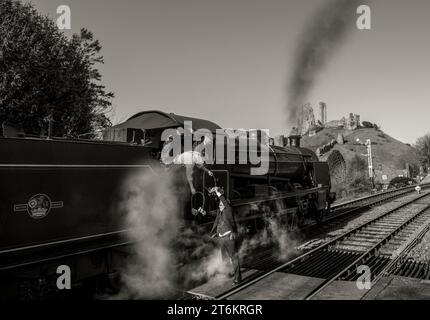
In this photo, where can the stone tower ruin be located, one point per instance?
(323, 113)
(306, 119)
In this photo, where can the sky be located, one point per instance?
(230, 61)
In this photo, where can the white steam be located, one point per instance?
(286, 240)
(152, 214)
(212, 267)
(165, 257)
(275, 234)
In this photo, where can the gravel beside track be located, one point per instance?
(338, 228)
(421, 252)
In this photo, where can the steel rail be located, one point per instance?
(398, 262)
(351, 202)
(363, 256)
(357, 209)
(301, 258)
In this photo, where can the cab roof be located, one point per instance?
(154, 119)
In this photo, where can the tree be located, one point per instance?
(45, 74)
(358, 175)
(367, 124)
(423, 147)
(410, 160)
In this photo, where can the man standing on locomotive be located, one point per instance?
(225, 229)
(193, 159)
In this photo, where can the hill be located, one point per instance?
(391, 157)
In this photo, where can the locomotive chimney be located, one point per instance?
(294, 138)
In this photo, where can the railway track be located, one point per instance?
(414, 269)
(267, 258)
(357, 205)
(379, 244)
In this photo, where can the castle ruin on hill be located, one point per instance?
(309, 124)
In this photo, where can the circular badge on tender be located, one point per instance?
(38, 206)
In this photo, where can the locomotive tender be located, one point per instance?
(59, 197)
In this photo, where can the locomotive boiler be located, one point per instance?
(61, 198)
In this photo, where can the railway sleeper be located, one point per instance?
(359, 241)
(367, 236)
(353, 247)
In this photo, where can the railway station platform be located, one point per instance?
(282, 286)
(400, 288)
(389, 288)
(217, 286)
(279, 286)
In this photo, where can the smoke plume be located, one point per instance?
(321, 39)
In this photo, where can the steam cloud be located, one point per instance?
(319, 42)
(151, 207)
(166, 258)
(275, 235)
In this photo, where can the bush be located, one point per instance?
(360, 184)
(400, 182)
(357, 165)
(379, 186)
(358, 180)
(367, 124)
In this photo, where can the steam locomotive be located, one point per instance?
(60, 197)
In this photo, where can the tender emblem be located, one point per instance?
(38, 206)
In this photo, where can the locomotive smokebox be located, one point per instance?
(294, 138)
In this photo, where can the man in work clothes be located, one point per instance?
(191, 159)
(226, 230)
